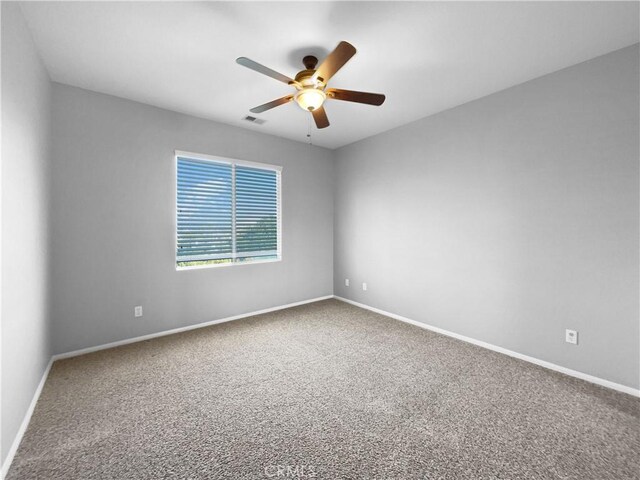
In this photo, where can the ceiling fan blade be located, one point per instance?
(320, 117)
(272, 104)
(358, 97)
(246, 62)
(335, 61)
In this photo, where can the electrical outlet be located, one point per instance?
(346, 282)
(137, 311)
(364, 286)
(571, 336)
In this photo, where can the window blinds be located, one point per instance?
(256, 213)
(226, 212)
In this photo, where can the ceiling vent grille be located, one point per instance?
(257, 121)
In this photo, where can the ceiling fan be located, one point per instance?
(311, 84)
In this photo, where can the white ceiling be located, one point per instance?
(425, 56)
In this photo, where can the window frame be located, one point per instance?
(233, 162)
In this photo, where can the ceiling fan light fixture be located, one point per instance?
(310, 99)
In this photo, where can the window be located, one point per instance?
(228, 211)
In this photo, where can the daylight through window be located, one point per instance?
(228, 211)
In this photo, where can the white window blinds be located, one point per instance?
(227, 212)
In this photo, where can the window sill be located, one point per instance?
(231, 264)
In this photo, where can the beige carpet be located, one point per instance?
(327, 391)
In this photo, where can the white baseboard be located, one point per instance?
(551, 366)
(163, 333)
(25, 422)
(75, 353)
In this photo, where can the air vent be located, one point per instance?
(257, 121)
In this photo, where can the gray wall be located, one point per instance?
(507, 219)
(114, 222)
(26, 93)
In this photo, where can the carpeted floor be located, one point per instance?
(326, 391)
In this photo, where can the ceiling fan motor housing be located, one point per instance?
(305, 78)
